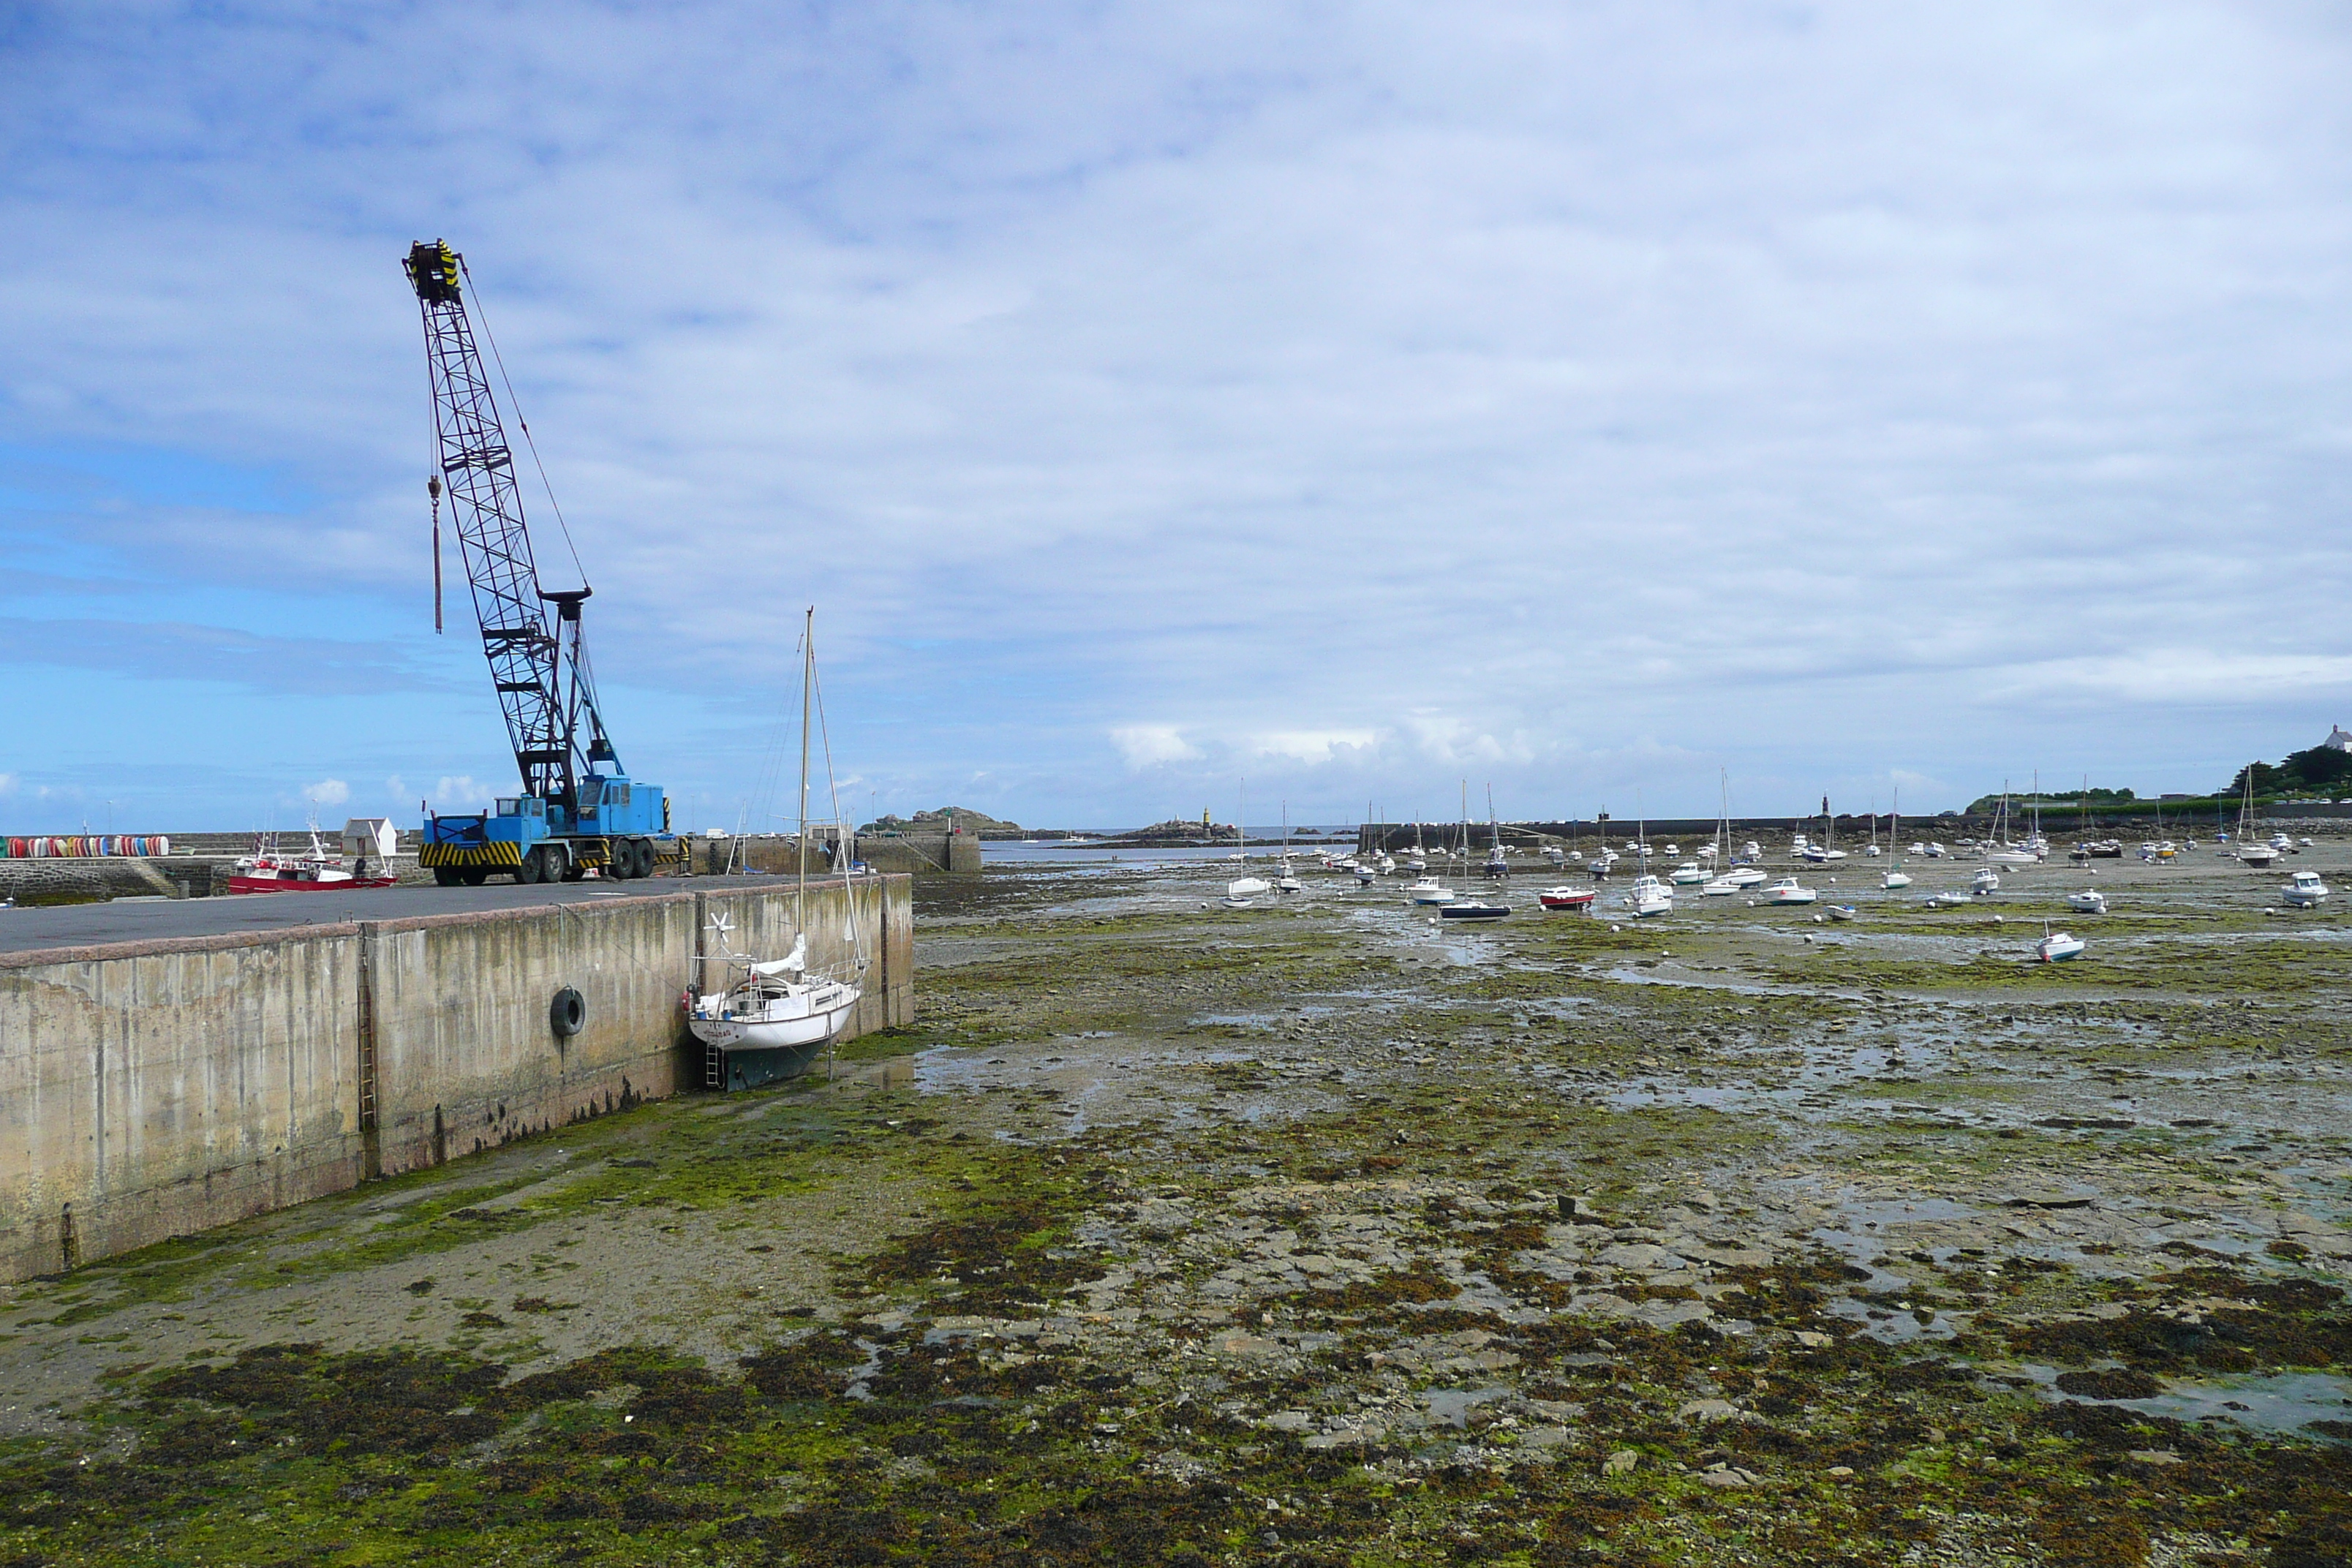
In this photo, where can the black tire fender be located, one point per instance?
(568, 1014)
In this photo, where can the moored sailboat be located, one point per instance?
(769, 1021)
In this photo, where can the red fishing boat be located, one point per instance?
(1567, 898)
(270, 870)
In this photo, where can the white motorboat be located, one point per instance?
(2305, 891)
(1247, 887)
(1789, 891)
(1896, 877)
(1746, 876)
(1984, 881)
(1753, 851)
(1648, 896)
(1429, 891)
(2090, 901)
(1932, 850)
(2012, 855)
(1555, 854)
(1720, 888)
(1387, 865)
(2057, 947)
(1286, 883)
(2256, 854)
(2282, 843)
(1688, 875)
(1364, 874)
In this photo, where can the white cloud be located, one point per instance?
(1150, 745)
(1628, 390)
(461, 793)
(2171, 675)
(327, 792)
(7, 784)
(1312, 746)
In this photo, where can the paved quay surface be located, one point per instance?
(160, 920)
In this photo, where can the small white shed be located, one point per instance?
(373, 836)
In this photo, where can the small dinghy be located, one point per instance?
(1843, 911)
(2091, 901)
(1466, 909)
(1565, 897)
(2057, 947)
(1721, 887)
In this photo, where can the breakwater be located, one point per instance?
(153, 1088)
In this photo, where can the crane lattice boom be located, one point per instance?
(543, 683)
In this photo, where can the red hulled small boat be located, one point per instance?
(266, 870)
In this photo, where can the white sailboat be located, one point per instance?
(2251, 851)
(1288, 883)
(1648, 897)
(1242, 892)
(766, 1023)
(1896, 877)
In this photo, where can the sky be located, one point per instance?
(1241, 407)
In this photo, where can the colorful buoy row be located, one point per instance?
(84, 845)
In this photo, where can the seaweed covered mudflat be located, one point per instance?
(1320, 1234)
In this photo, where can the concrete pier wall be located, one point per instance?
(152, 1090)
(917, 853)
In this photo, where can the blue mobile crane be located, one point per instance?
(579, 810)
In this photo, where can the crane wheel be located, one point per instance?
(641, 858)
(446, 876)
(532, 869)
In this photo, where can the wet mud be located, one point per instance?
(1318, 1235)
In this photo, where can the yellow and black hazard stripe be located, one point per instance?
(496, 852)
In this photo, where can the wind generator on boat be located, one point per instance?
(578, 810)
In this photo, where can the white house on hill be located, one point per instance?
(2337, 741)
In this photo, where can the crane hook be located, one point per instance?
(433, 489)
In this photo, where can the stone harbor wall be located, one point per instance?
(148, 1089)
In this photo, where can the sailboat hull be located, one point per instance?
(777, 1040)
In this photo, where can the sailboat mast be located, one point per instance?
(808, 675)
